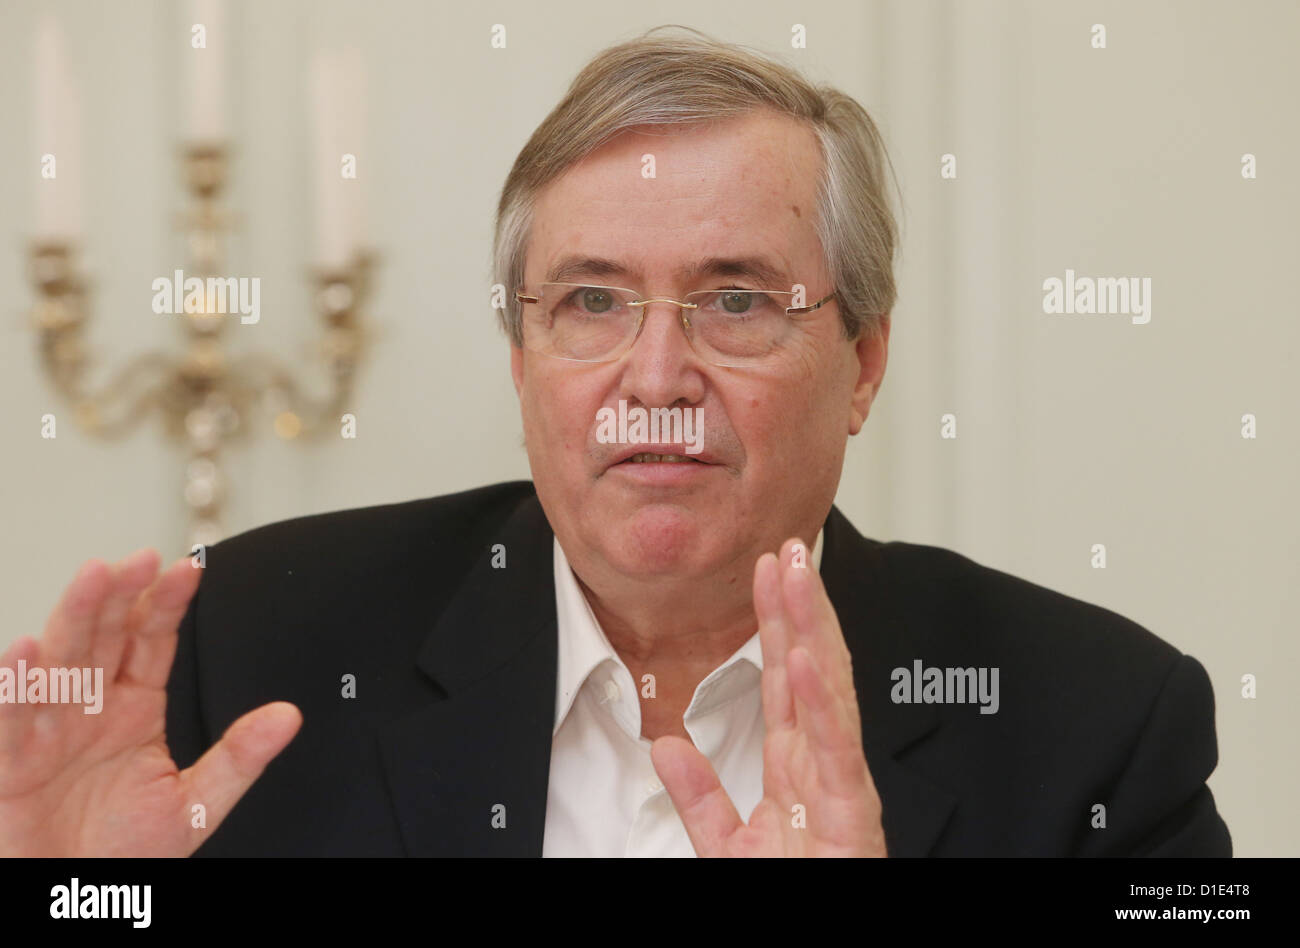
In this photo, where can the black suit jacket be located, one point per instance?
(455, 665)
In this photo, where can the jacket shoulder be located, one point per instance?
(1093, 708)
(387, 530)
(1076, 683)
(966, 604)
(285, 609)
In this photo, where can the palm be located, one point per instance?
(90, 779)
(818, 795)
(73, 783)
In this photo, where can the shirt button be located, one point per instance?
(654, 786)
(611, 690)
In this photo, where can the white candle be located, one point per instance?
(58, 133)
(70, 169)
(333, 245)
(353, 92)
(205, 71)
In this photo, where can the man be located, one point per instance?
(669, 642)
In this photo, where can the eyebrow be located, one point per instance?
(759, 269)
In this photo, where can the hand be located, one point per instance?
(77, 784)
(812, 751)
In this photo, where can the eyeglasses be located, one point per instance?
(726, 327)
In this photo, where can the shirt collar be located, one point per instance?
(583, 646)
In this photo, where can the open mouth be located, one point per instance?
(659, 459)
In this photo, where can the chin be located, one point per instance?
(662, 539)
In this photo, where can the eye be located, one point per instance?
(594, 299)
(741, 301)
(736, 301)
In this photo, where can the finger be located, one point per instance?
(789, 549)
(221, 776)
(16, 719)
(152, 643)
(111, 648)
(816, 627)
(133, 575)
(705, 809)
(778, 703)
(71, 626)
(836, 750)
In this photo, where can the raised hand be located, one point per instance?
(818, 795)
(77, 784)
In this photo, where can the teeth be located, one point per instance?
(656, 458)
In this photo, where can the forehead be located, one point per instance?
(742, 188)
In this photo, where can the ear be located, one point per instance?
(871, 350)
(517, 367)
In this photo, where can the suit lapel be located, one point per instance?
(468, 774)
(880, 640)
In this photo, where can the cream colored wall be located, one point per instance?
(1071, 430)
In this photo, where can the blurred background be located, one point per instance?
(1071, 430)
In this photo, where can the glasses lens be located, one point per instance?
(739, 327)
(584, 323)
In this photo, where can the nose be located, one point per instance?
(662, 368)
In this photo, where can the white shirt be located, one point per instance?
(604, 797)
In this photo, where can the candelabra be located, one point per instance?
(205, 398)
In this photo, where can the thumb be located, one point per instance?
(692, 784)
(221, 776)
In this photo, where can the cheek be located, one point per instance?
(536, 395)
(558, 414)
(775, 421)
(793, 421)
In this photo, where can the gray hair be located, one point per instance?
(677, 80)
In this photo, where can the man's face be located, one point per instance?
(773, 434)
